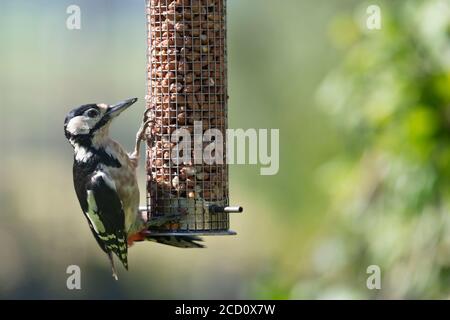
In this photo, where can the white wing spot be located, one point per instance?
(109, 182)
(108, 237)
(78, 125)
(92, 215)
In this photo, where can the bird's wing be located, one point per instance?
(106, 216)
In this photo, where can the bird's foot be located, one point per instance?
(141, 135)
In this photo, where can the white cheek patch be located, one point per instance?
(78, 125)
(81, 125)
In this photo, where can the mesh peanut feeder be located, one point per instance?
(187, 92)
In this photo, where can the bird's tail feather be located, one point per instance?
(174, 241)
(113, 267)
(178, 241)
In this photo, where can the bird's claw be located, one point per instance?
(140, 136)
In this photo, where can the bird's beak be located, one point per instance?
(117, 109)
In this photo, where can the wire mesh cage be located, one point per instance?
(187, 93)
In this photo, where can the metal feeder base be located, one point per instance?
(205, 232)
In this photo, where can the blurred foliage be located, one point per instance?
(391, 186)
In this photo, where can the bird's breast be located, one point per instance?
(127, 188)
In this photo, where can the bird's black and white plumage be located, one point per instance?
(105, 182)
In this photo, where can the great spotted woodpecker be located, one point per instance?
(105, 182)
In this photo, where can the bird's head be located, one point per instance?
(83, 124)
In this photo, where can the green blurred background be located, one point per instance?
(364, 119)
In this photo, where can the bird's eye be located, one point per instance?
(92, 113)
